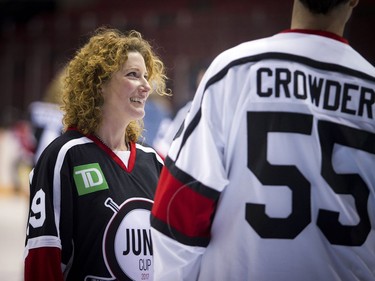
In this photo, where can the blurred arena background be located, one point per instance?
(37, 37)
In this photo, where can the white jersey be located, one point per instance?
(272, 177)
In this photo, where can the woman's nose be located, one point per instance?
(146, 85)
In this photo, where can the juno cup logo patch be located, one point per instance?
(127, 241)
(89, 178)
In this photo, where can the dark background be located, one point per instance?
(38, 36)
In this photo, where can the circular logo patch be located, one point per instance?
(127, 242)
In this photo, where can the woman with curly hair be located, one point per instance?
(92, 189)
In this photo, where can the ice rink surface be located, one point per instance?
(13, 214)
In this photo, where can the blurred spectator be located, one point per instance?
(46, 116)
(169, 127)
(157, 109)
(16, 149)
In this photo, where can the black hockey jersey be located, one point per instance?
(89, 213)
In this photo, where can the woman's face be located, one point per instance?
(125, 94)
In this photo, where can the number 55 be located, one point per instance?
(259, 124)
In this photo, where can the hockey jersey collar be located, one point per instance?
(99, 143)
(318, 32)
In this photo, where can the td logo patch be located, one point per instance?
(89, 178)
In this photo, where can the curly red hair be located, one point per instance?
(93, 65)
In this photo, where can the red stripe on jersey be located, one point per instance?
(43, 264)
(181, 207)
(318, 32)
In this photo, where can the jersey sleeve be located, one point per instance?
(43, 249)
(43, 264)
(189, 187)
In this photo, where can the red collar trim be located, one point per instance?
(111, 153)
(320, 33)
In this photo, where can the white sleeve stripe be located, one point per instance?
(42, 241)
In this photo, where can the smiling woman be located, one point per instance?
(124, 96)
(95, 183)
(104, 56)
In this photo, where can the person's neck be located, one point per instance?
(334, 22)
(113, 138)
(112, 128)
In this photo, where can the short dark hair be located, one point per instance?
(322, 6)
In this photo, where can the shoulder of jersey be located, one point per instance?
(56, 145)
(246, 49)
(145, 148)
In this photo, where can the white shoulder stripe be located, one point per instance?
(56, 180)
(31, 175)
(149, 150)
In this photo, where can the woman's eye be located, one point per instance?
(132, 74)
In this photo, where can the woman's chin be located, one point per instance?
(138, 114)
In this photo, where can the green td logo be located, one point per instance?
(89, 178)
